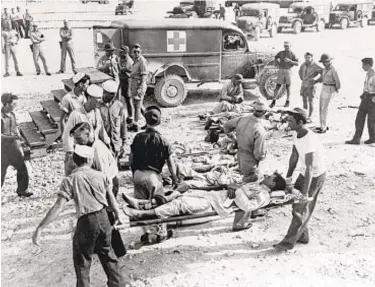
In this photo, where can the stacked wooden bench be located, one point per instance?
(43, 134)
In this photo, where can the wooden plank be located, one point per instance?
(52, 138)
(68, 85)
(52, 109)
(43, 124)
(58, 94)
(96, 76)
(30, 133)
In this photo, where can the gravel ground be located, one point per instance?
(342, 229)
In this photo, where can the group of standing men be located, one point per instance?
(20, 23)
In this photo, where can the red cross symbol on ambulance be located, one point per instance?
(176, 41)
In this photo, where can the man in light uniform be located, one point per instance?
(367, 106)
(66, 34)
(37, 38)
(231, 94)
(331, 86)
(138, 84)
(108, 63)
(88, 113)
(114, 118)
(251, 135)
(125, 68)
(10, 43)
(309, 151)
(28, 19)
(74, 99)
(308, 71)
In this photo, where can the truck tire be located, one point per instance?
(273, 31)
(344, 23)
(267, 84)
(297, 27)
(320, 26)
(170, 91)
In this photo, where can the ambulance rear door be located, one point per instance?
(104, 35)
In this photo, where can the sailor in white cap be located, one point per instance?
(91, 192)
(285, 60)
(114, 117)
(74, 99)
(251, 135)
(88, 113)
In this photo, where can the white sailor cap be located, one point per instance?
(110, 86)
(77, 77)
(84, 151)
(95, 91)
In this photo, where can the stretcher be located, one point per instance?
(194, 219)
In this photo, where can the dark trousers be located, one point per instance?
(27, 29)
(302, 212)
(11, 155)
(21, 28)
(125, 92)
(93, 236)
(366, 108)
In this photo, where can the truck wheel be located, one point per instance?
(279, 29)
(344, 23)
(170, 91)
(273, 31)
(320, 26)
(364, 22)
(267, 84)
(297, 27)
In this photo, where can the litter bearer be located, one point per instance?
(89, 189)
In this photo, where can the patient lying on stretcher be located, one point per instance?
(248, 199)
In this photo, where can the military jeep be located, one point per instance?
(305, 15)
(195, 9)
(351, 12)
(178, 53)
(257, 18)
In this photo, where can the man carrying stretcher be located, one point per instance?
(248, 198)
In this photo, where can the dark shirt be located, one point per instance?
(285, 54)
(150, 151)
(8, 124)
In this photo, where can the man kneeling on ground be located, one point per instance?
(231, 94)
(248, 198)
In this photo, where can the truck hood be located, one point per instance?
(248, 19)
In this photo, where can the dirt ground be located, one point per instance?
(341, 251)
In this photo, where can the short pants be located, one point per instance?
(308, 92)
(284, 76)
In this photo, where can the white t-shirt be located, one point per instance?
(310, 143)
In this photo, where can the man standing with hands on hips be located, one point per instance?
(138, 85)
(37, 38)
(66, 35)
(285, 60)
(331, 86)
(367, 106)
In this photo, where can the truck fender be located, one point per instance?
(170, 69)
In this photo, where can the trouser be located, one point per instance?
(11, 155)
(125, 92)
(21, 28)
(325, 98)
(302, 212)
(248, 165)
(11, 51)
(138, 92)
(366, 108)
(67, 47)
(38, 53)
(69, 164)
(27, 29)
(93, 236)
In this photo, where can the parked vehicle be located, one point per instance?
(177, 55)
(305, 15)
(258, 18)
(195, 9)
(347, 13)
(99, 1)
(282, 3)
(123, 7)
(372, 19)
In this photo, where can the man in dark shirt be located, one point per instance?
(10, 153)
(149, 152)
(285, 60)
